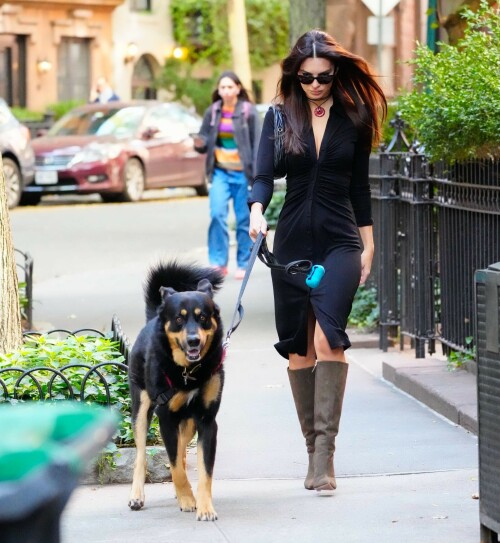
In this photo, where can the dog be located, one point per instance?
(176, 370)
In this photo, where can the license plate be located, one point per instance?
(46, 177)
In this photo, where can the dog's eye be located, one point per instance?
(179, 320)
(203, 318)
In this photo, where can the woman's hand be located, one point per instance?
(257, 221)
(366, 265)
(366, 234)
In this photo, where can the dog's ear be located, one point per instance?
(206, 287)
(166, 292)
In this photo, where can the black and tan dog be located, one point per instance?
(176, 370)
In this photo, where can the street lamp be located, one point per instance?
(131, 52)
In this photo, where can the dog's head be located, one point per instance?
(190, 320)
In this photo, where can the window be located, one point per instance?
(140, 5)
(73, 69)
(13, 69)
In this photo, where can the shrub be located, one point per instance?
(61, 108)
(365, 310)
(22, 114)
(72, 356)
(274, 208)
(455, 105)
(179, 82)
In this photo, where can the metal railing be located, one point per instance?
(435, 225)
(74, 381)
(24, 265)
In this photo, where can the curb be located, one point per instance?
(362, 340)
(452, 394)
(118, 467)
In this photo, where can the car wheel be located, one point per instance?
(13, 182)
(133, 177)
(202, 190)
(30, 199)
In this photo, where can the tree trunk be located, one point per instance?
(10, 315)
(306, 15)
(238, 38)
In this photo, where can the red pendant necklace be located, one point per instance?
(319, 111)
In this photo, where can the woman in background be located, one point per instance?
(229, 136)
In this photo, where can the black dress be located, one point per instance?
(327, 199)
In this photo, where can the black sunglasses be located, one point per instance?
(322, 79)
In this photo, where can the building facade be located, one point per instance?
(52, 51)
(55, 51)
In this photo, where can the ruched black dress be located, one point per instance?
(327, 199)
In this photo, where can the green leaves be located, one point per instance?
(455, 105)
(83, 353)
(365, 310)
(202, 27)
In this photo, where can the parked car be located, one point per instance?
(118, 150)
(17, 155)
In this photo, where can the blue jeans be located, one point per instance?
(226, 185)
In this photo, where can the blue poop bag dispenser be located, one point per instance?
(315, 276)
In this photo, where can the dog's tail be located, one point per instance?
(180, 277)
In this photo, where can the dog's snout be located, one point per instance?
(193, 340)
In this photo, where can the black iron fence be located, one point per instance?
(435, 225)
(73, 381)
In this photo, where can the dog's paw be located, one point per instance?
(136, 504)
(187, 504)
(207, 514)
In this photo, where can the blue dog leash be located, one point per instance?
(314, 275)
(239, 311)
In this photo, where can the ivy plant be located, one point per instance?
(455, 104)
(202, 27)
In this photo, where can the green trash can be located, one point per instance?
(43, 450)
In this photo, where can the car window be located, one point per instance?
(6, 117)
(172, 122)
(180, 113)
(119, 122)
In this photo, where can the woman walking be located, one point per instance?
(229, 135)
(328, 103)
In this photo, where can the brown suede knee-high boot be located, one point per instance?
(330, 384)
(302, 384)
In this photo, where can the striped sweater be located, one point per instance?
(227, 156)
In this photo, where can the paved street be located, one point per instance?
(404, 472)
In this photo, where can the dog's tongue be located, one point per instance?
(193, 355)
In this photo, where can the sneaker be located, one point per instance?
(240, 274)
(221, 269)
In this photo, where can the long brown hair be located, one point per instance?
(354, 87)
(243, 95)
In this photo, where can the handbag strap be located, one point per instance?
(279, 134)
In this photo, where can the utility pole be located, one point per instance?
(238, 38)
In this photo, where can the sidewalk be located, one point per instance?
(403, 473)
(451, 393)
